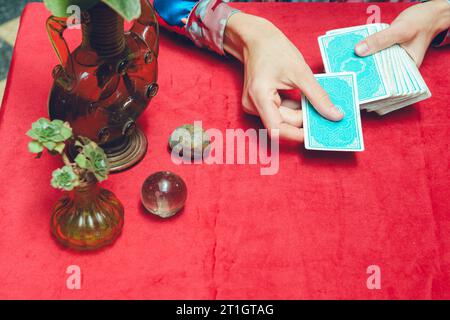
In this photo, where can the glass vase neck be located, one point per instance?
(103, 31)
(85, 192)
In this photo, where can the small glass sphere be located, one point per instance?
(164, 194)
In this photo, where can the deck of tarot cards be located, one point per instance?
(386, 81)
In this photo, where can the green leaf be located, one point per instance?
(35, 147)
(59, 7)
(66, 132)
(49, 145)
(59, 147)
(39, 123)
(57, 138)
(100, 177)
(129, 9)
(81, 161)
(58, 122)
(32, 134)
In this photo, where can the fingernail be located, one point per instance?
(362, 48)
(338, 114)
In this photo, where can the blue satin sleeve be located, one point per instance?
(172, 11)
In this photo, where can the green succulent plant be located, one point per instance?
(91, 161)
(48, 134)
(65, 179)
(129, 9)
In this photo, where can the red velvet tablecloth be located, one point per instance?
(310, 231)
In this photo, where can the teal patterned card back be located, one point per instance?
(338, 51)
(344, 135)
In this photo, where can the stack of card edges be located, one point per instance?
(387, 81)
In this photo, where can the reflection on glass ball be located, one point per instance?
(164, 194)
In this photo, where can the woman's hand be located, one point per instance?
(273, 63)
(413, 29)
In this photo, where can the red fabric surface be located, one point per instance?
(308, 232)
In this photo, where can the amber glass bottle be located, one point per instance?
(105, 84)
(87, 218)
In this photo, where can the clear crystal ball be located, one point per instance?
(164, 194)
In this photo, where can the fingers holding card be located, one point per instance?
(383, 82)
(344, 135)
(387, 80)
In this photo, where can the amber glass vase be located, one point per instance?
(104, 85)
(87, 218)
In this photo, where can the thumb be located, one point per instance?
(309, 86)
(377, 42)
